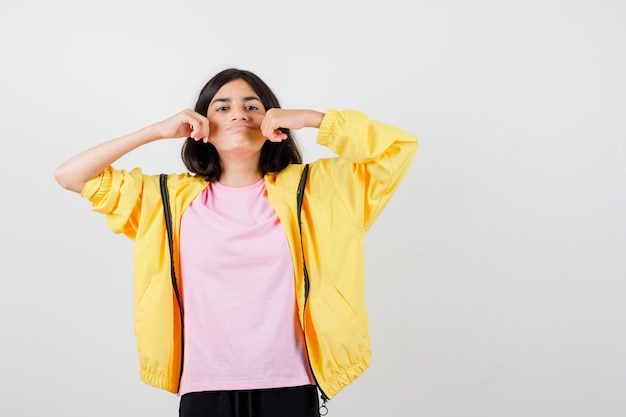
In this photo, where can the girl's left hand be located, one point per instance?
(289, 119)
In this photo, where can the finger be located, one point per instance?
(277, 136)
(271, 129)
(269, 125)
(281, 135)
(265, 131)
(198, 126)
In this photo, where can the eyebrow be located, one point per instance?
(229, 100)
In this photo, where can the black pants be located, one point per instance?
(276, 402)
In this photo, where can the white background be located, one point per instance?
(496, 276)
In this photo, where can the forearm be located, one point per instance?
(75, 172)
(314, 118)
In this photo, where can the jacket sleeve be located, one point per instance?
(373, 159)
(118, 195)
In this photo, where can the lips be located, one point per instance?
(239, 127)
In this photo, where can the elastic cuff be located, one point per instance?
(330, 117)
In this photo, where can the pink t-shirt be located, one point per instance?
(241, 325)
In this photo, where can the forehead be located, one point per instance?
(235, 89)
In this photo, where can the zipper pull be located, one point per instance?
(323, 409)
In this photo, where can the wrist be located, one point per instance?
(315, 119)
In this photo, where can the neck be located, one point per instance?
(239, 173)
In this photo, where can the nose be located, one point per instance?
(238, 114)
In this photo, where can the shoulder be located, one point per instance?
(181, 184)
(176, 179)
(286, 179)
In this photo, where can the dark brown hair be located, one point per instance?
(202, 158)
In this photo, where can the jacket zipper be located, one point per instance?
(323, 410)
(182, 334)
(306, 345)
(168, 223)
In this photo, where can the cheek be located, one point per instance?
(213, 126)
(258, 119)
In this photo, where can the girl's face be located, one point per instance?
(235, 115)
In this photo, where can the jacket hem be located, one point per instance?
(158, 380)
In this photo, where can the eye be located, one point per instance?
(221, 108)
(251, 107)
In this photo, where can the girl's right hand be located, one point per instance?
(76, 171)
(187, 123)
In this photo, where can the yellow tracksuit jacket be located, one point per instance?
(343, 197)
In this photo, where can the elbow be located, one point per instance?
(59, 176)
(66, 180)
